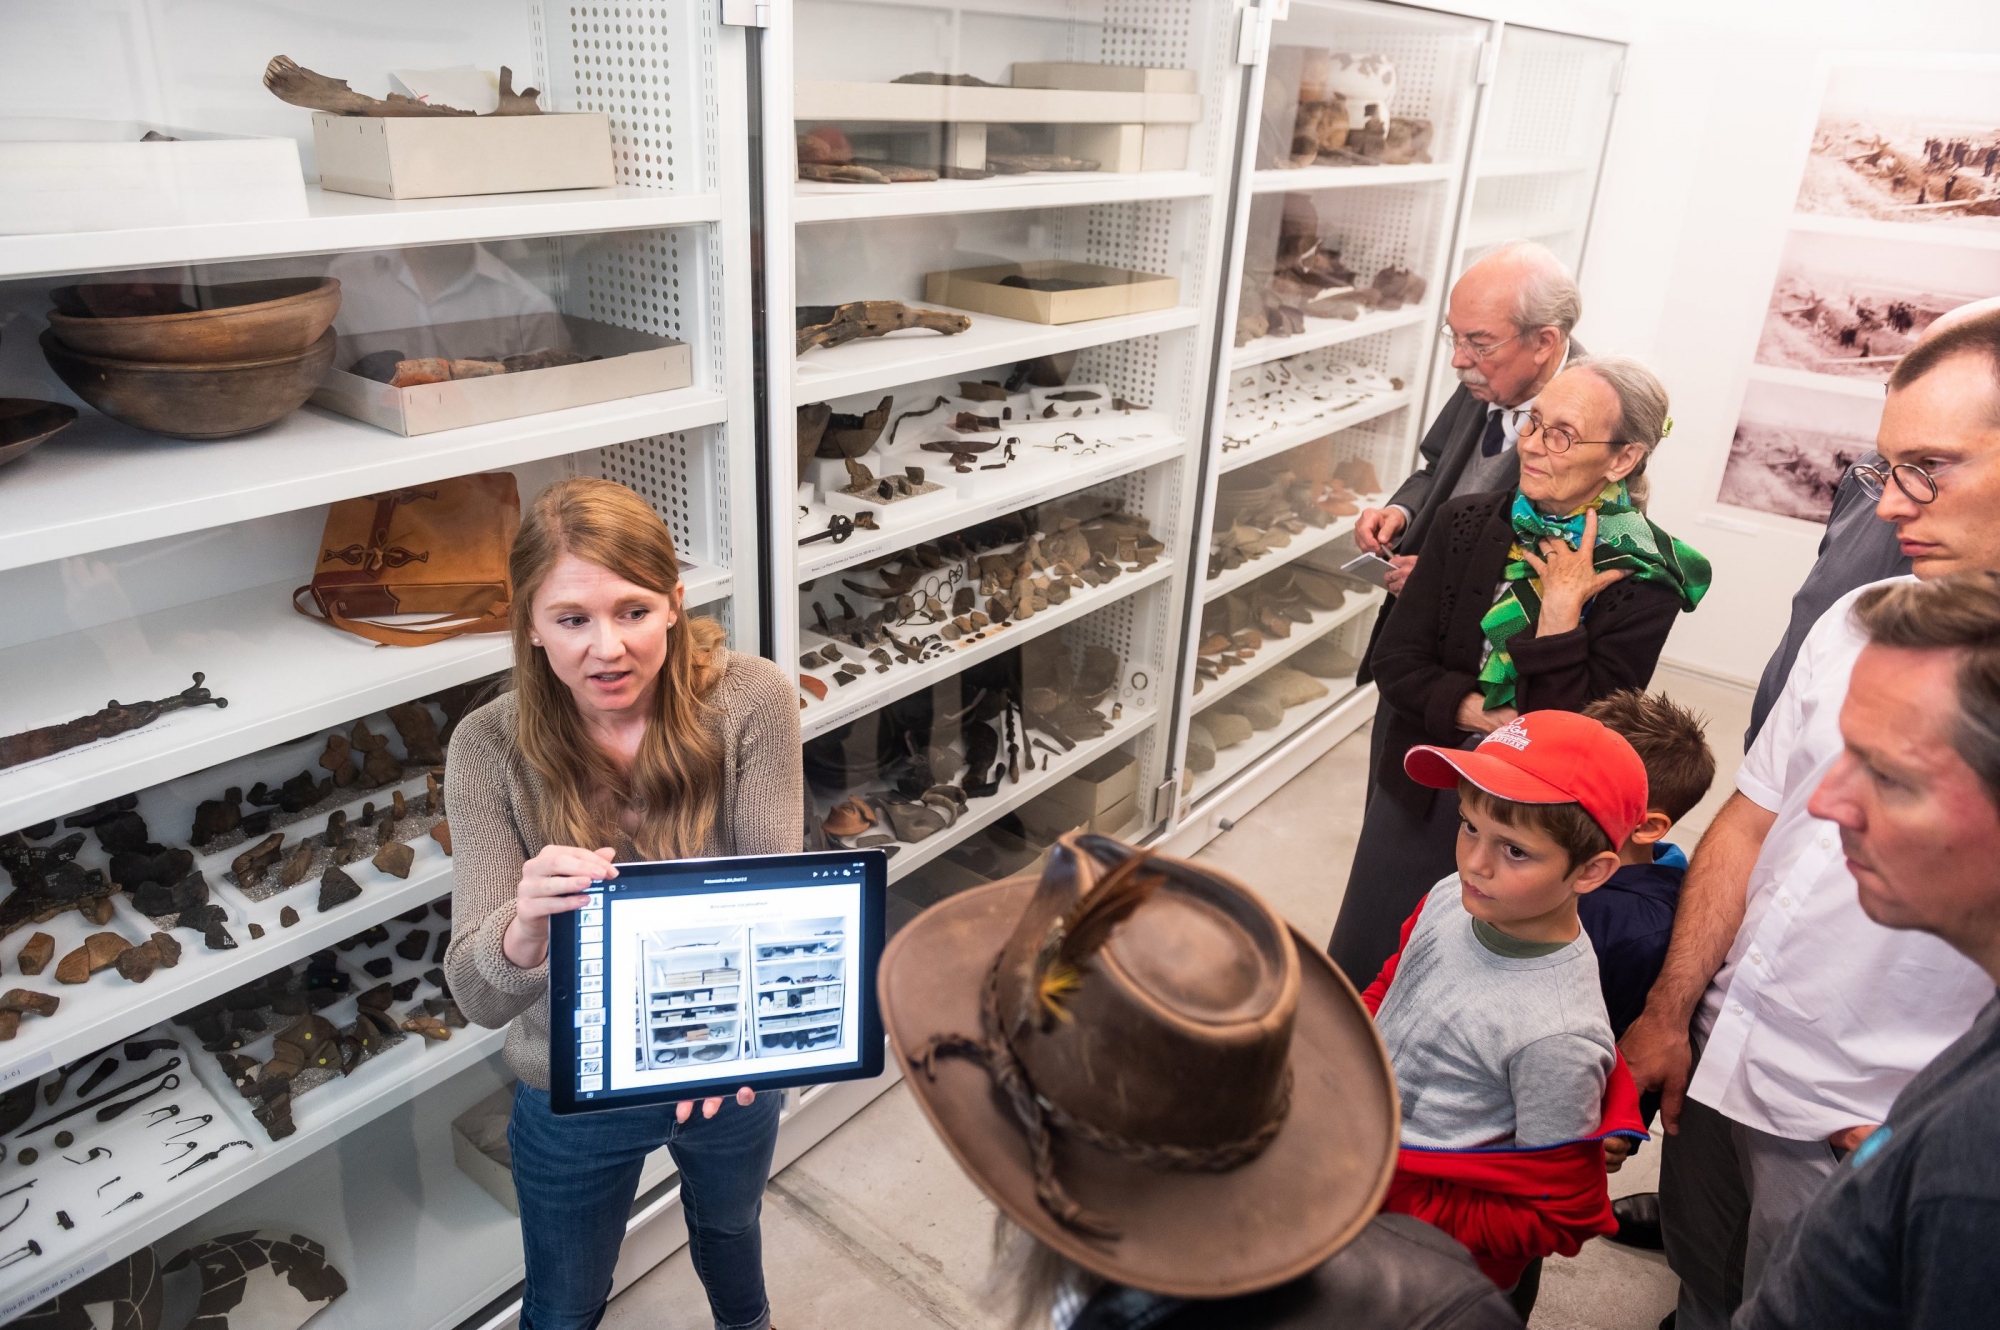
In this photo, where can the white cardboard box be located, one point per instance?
(632, 363)
(59, 175)
(425, 158)
(1159, 142)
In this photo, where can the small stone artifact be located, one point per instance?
(292, 82)
(836, 325)
(336, 888)
(395, 859)
(115, 718)
(419, 732)
(39, 951)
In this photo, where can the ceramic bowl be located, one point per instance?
(193, 401)
(170, 323)
(25, 422)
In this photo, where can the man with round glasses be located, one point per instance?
(1807, 1016)
(1507, 326)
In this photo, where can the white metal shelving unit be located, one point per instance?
(128, 562)
(833, 243)
(1372, 217)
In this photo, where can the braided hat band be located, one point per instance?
(1040, 1119)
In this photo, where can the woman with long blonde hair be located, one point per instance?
(631, 732)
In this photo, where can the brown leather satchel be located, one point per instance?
(438, 549)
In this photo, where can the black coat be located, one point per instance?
(1427, 658)
(1448, 445)
(1399, 1274)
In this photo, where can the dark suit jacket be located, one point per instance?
(1448, 445)
(1427, 658)
(1858, 548)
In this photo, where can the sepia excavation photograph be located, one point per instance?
(1853, 306)
(1791, 447)
(1906, 145)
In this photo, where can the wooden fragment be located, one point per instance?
(35, 956)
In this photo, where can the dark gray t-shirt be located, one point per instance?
(1903, 1236)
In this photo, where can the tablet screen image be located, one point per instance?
(699, 976)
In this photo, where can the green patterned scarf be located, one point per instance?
(1625, 539)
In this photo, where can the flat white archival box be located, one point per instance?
(408, 157)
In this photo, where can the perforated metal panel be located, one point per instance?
(1551, 95)
(661, 282)
(678, 474)
(651, 69)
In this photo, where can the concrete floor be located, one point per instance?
(876, 1226)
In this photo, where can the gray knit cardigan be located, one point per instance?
(493, 799)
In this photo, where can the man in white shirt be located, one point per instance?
(1811, 1017)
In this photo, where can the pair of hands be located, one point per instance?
(557, 881)
(1374, 531)
(1660, 1057)
(1568, 578)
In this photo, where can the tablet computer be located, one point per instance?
(687, 979)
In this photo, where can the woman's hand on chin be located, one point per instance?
(553, 882)
(1473, 714)
(1569, 580)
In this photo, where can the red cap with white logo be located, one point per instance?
(1547, 757)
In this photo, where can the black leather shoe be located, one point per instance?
(1638, 1217)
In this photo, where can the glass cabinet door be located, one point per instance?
(1549, 113)
(1005, 224)
(1364, 125)
(1540, 150)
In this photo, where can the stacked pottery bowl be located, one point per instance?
(194, 362)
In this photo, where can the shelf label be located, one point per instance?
(41, 1293)
(33, 1066)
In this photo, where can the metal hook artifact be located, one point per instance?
(204, 1120)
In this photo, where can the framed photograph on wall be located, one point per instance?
(1896, 223)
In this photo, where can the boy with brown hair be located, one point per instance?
(1491, 1011)
(1630, 918)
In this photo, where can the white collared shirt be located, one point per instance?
(1820, 1015)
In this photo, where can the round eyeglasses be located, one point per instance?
(1478, 350)
(1558, 438)
(1917, 484)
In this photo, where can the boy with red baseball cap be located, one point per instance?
(1492, 1012)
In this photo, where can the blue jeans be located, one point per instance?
(576, 1178)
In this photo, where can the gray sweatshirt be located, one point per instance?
(1494, 1049)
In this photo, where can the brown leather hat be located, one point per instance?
(1146, 1068)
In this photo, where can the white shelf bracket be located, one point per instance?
(1489, 63)
(746, 14)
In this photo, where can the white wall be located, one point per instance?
(1719, 101)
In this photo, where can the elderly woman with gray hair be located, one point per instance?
(1545, 597)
